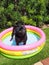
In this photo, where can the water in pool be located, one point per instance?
(31, 38)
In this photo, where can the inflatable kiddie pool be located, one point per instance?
(34, 44)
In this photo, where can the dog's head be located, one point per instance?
(20, 28)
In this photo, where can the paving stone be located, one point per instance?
(45, 61)
(38, 63)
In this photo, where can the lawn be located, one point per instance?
(29, 61)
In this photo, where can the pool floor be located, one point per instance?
(31, 39)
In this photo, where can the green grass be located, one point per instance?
(29, 61)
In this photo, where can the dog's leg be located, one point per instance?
(24, 43)
(17, 41)
(25, 39)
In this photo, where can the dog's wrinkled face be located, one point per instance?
(20, 29)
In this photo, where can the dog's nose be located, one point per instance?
(19, 31)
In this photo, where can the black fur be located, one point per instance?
(19, 31)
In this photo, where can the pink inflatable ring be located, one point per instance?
(22, 51)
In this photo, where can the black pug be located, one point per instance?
(19, 30)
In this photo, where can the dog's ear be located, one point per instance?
(22, 23)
